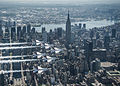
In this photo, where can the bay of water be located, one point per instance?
(89, 25)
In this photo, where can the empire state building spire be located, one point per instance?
(68, 16)
(68, 30)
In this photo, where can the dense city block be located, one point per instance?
(70, 56)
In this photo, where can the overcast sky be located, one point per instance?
(65, 1)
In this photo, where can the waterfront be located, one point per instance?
(89, 24)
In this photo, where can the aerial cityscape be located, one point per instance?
(60, 43)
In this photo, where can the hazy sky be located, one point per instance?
(65, 1)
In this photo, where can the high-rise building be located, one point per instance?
(33, 33)
(14, 23)
(43, 29)
(51, 36)
(95, 65)
(88, 51)
(28, 28)
(119, 65)
(59, 32)
(2, 79)
(33, 30)
(13, 34)
(113, 33)
(91, 34)
(24, 29)
(1, 31)
(80, 25)
(6, 38)
(44, 36)
(18, 32)
(84, 26)
(68, 30)
(106, 41)
(0, 25)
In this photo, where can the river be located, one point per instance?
(89, 24)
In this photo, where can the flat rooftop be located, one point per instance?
(113, 73)
(99, 49)
(107, 64)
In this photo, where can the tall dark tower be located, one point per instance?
(1, 31)
(28, 28)
(68, 30)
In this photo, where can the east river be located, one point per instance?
(89, 24)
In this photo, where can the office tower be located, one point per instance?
(18, 32)
(59, 32)
(6, 38)
(56, 34)
(95, 65)
(50, 36)
(68, 30)
(80, 25)
(43, 29)
(28, 28)
(84, 26)
(23, 34)
(17, 66)
(72, 70)
(44, 35)
(113, 33)
(76, 25)
(88, 51)
(50, 30)
(33, 35)
(0, 25)
(2, 79)
(13, 34)
(106, 40)
(9, 23)
(1, 31)
(90, 46)
(14, 23)
(119, 65)
(99, 43)
(72, 37)
(33, 30)
(94, 41)
(91, 34)
(97, 35)
(24, 30)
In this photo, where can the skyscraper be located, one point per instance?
(68, 30)
(84, 26)
(1, 79)
(0, 24)
(80, 25)
(13, 33)
(24, 30)
(59, 32)
(113, 33)
(28, 28)
(1, 31)
(33, 30)
(106, 40)
(43, 29)
(88, 45)
(18, 32)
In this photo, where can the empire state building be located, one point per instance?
(68, 30)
